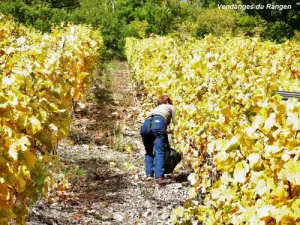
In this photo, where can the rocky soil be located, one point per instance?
(104, 161)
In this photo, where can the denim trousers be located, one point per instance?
(155, 140)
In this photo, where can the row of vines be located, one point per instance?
(238, 135)
(40, 76)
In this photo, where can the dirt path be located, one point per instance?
(105, 164)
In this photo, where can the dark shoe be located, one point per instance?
(149, 176)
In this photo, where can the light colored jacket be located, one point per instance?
(165, 110)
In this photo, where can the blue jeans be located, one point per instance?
(155, 139)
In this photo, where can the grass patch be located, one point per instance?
(73, 172)
(113, 65)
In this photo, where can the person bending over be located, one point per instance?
(155, 137)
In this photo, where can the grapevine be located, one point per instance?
(224, 90)
(40, 75)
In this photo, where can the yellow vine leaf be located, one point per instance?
(21, 184)
(290, 172)
(30, 159)
(240, 172)
(34, 125)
